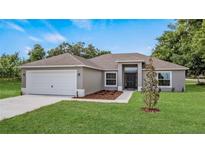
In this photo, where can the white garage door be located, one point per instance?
(51, 82)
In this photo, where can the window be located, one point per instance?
(130, 70)
(110, 79)
(164, 79)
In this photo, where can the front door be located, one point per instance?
(130, 80)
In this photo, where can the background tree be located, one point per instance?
(62, 48)
(9, 65)
(37, 53)
(90, 51)
(196, 62)
(183, 44)
(150, 89)
(79, 49)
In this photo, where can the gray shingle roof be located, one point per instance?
(62, 60)
(108, 61)
(104, 62)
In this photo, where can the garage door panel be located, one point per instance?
(52, 82)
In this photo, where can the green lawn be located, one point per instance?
(9, 88)
(180, 113)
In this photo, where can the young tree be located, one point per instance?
(37, 53)
(150, 89)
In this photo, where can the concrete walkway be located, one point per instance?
(125, 97)
(13, 106)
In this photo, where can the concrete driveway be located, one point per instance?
(13, 106)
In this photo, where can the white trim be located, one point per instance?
(23, 90)
(48, 66)
(119, 88)
(163, 69)
(122, 61)
(170, 86)
(139, 88)
(51, 71)
(109, 69)
(168, 69)
(81, 92)
(105, 79)
(59, 66)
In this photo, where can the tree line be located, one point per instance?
(9, 63)
(184, 44)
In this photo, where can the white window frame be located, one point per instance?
(170, 86)
(106, 79)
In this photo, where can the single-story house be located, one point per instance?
(68, 74)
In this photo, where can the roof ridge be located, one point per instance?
(87, 60)
(100, 56)
(123, 53)
(74, 56)
(120, 54)
(93, 63)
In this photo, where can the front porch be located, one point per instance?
(130, 75)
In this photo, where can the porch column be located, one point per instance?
(119, 79)
(139, 76)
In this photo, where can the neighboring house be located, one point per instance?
(68, 74)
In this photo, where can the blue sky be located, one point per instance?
(115, 35)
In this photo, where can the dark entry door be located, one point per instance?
(130, 80)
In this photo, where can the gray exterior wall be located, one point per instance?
(79, 78)
(92, 80)
(178, 80)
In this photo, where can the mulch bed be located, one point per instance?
(150, 109)
(103, 94)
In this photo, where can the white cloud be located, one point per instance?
(23, 20)
(27, 49)
(82, 23)
(35, 39)
(54, 37)
(49, 26)
(149, 48)
(15, 26)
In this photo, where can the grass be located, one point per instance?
(180, 113)
(9, 88)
